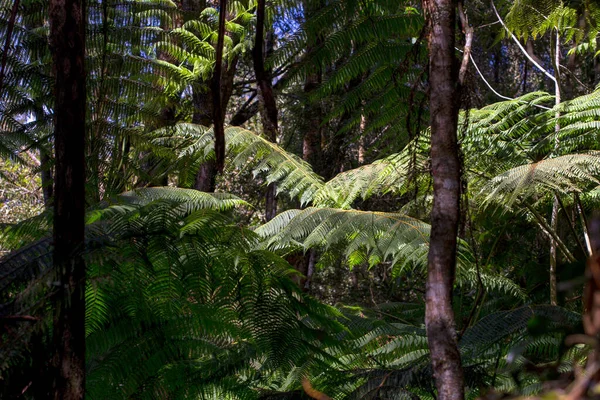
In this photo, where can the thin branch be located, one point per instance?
(584, 224)
(486, 25)
(19, 318)
(494, 90)
(572, 75)
(571, 223)
(548, 74)
(468, 31)
(551, 234)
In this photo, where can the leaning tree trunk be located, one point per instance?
(67, 40)
(444, 97)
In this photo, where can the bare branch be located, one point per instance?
(494, 90)
(468, 31)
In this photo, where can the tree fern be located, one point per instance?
(565, 174)
(392, 174)
(194, 143)
(174, 286)
(372, 42)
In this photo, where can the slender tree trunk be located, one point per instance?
(218, 109)
(204, 114)
(584, 225)
(444, 96)
(67, 40)
(555, 203)
(311, 142)
(525, 75)
(362, 140)
(47, 179)
(310, 268)
(45, 167)
(266, 97)
(205, 177)
(597, 64)
(553, 258)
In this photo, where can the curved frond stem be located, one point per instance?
(514, 38)
(551, 233)
(494, 90)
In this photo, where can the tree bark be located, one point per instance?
(362, 139)
(203, 115)
(444, 96)
(311, 143)
(205, 177)
(45, 166)
(218, 110)
(204, 101)
(268, 106)
(554, 215)
(312, 151)
(47, 179)
(67, 41)
(553, 256)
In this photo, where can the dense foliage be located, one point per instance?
(193, 291)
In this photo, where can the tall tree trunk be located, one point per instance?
(597, 64)
(67, 40)
(202, 99)
(553, 256)
(203, 115)
(268, 106)
(361, 138)
(204, 112)
(444, 96)
(218, 110)
(45, 166)
(47, 179)
(311, 143)
(555, 203)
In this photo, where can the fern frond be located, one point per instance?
(173, 285)
(564, 174)
(363, 236)
(246, 149)
(391, 174)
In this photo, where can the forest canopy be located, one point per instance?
(326, 199)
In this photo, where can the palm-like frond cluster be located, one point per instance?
(370, 42)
